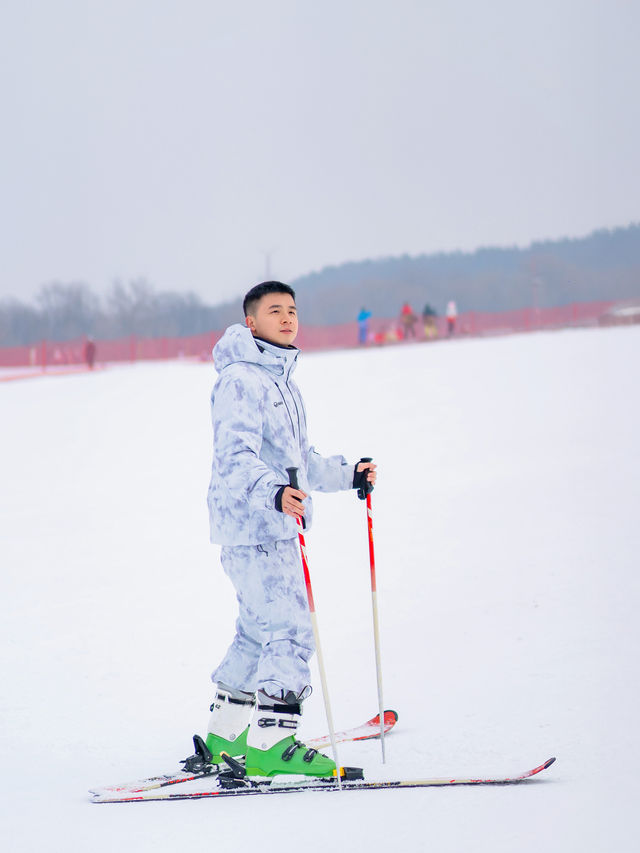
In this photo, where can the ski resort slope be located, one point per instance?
(507, 543)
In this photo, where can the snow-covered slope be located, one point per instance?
(506, 524)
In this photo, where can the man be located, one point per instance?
(260, 430)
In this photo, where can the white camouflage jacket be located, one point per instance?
(260, 430)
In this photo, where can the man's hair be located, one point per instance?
(256, 293)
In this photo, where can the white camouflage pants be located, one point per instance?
(274, 637)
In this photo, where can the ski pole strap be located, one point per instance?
(360, 481)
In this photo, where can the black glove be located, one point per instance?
(360, 481)
(278, 498)
(278, 504)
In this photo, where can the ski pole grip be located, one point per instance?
(367, 488)
(293, 482)
(293, 477)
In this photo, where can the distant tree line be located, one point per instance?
(66, 311)
(602, 266)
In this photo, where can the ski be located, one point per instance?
(251, 787)
(365, 731)
(368, 730)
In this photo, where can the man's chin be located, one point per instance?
(281, 340)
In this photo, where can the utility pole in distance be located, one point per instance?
(267, 263)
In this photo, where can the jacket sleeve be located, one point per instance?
(237, 416)
(329, 473)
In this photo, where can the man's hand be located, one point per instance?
(364, 477)
(372, 474)
(292, 502)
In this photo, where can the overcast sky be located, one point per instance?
(190, 141)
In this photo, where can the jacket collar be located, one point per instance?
(286, 356)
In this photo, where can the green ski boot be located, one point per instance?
(272, 748)
(235, 748)
(289, 756)
(229, 723)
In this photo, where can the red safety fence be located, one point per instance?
(61, 355)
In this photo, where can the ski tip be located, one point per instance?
(390, 719)
(548, 763)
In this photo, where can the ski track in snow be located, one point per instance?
(506, 532)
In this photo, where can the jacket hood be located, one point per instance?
(238, 345)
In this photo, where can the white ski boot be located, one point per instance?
(228, 725)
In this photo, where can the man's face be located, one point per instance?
(274, 319)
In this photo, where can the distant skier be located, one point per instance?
(363, 326)
(452, 316)
(259, 430)
(90, 352)
(429, 322)
(408, 321)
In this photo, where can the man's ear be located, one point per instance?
(250, 323)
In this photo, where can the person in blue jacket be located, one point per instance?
(363, 326)
(260, 430)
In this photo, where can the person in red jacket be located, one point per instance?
(408, 320)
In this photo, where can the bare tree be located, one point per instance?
(131, 307)
(70, 310)
(20, 325)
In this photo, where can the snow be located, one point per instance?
(506, 532)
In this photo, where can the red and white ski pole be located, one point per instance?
(293, 482)
(364, 492)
